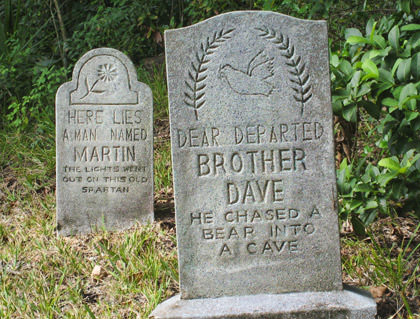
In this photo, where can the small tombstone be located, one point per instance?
(254, 172)
(104, 139)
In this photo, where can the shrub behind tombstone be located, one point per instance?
(376, 79)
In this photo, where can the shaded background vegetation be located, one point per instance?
(375, 64)
(375, 78)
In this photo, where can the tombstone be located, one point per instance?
(104, 138)
(254, 172)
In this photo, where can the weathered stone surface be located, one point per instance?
(254, 174)
(104, 139)
(345, 304)
(253, 156)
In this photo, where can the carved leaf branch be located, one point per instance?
(298, 74)
(91, 89)
(195, 92)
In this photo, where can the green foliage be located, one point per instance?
(133, 27)
(39, 102)
(197, 10)
(376, 79)
(367, 190)
(31, 33)
(375, 75)
(13, 82)
(25, 65)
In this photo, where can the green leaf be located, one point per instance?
(352, 31)
(350, 113)
(355, 79)
(363, 188)
(410, 27)
(395, 66)
(371, 204)
(370, 27)
(89, 311)
(374, 53)
(393, 37)
(354, 39)
(407, 91)
(363, 90)
(403, 71)
(355, 204)
(406, 53)
(334, 61)
(384, 179)
(371, 34)
(346, 67)
(390, 163)
(415, 66)
(380, 41)
(410, 102)
(268, 5)
(415, 40)
(405, 6)
(370, 68)
(389, 102)
(385, 76)
(411, 115)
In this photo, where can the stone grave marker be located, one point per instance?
(104, 139)
(254, 172)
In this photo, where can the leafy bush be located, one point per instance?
(39, 102)
(376, 79)
(133, 27)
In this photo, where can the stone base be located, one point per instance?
(347, 304)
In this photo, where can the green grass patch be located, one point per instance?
(390, 259)
(45, 276)
(162, 162)
(157, 82)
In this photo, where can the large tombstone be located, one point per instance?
(104, 139)
(254, 173)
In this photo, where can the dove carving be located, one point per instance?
(254, 80)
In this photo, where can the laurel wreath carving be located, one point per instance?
(195, 93)
(299, 76)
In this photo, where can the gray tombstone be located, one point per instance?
(104, 137)
(254, 172)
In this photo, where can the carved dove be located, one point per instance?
(252, 81)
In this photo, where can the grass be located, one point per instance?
(45, 276)
(157, 82)
(389, 259)
(126, 274)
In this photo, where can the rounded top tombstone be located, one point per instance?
(104, 143)
(103, 77)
